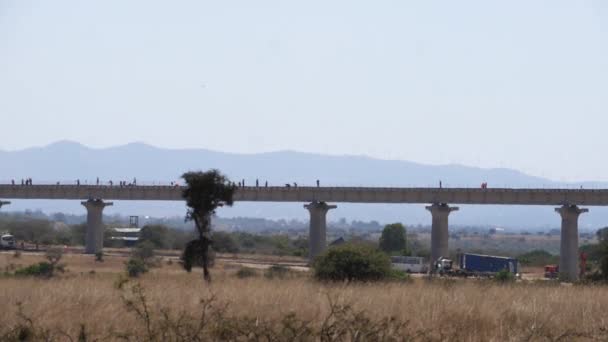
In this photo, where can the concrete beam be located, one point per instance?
(554, 197)
(568, 253)
(94, 234)
(439, 231)
(317, 234)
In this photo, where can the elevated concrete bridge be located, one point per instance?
(568, 200)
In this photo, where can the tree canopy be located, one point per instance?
(393, 238)
(204, 193)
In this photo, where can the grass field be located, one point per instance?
(259, 308)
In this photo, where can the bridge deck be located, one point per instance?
(590, 197)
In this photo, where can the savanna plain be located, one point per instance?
(95, 301)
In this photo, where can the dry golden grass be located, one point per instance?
(438, 310)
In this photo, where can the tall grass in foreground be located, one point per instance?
(162, 307)
(168, 304)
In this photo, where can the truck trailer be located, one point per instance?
(476, 265)
(487, 264)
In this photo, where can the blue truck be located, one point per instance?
(479, 264)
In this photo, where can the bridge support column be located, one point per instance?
(317, 238)
(94, 234)
(439, 230)
(568, 252)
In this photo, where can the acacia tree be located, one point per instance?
(204, 193)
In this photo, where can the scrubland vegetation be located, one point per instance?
(95, 300)
(352, 294)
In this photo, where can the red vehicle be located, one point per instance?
(551, 271)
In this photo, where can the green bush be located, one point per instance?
(504, 276)
(246, 272)
(44, 269)
(400, 275)
(352, 263)
(136, 266)
(41, 269)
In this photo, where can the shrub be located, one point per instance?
(41, 269)
(144, 251)
(400, 275)
(198, 260)
(504, 276)
(352, 263)
(44, 269)
(135, 267)
(246, 272)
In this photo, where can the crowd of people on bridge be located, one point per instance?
(24, 181)
(241, 184)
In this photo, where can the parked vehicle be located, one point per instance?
(7, 241)
(443, 266)
(476, 265)
(551, 271)
(487, 264)
(409, 264)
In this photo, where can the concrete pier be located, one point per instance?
(568, 253)
(94, 235)
(439, 231)
(317, 237)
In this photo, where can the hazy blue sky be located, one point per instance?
(519, 84)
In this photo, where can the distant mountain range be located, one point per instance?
(67, 161)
